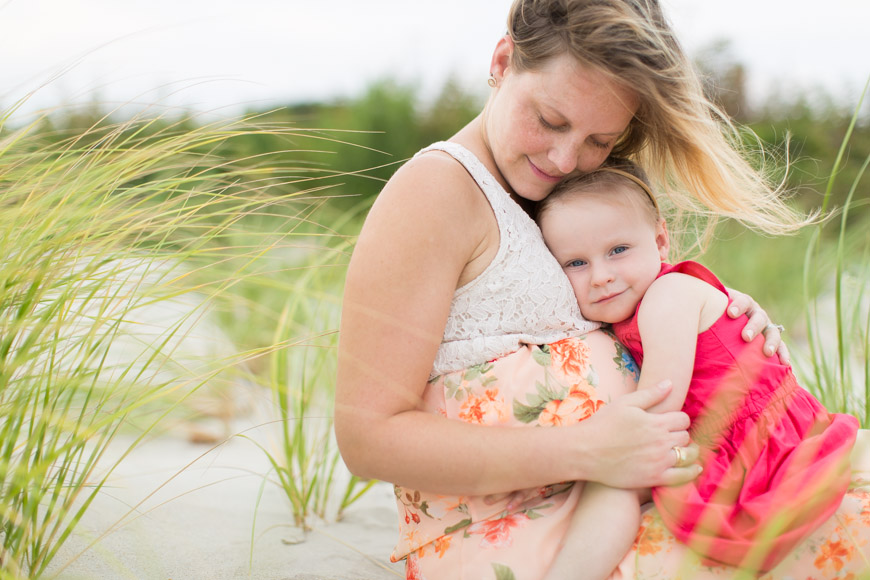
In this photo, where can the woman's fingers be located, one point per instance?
(773, 343)
(685, 467)
(759, 323)
(744, 304)
(646, 398)
(680, 475)
(685, 455)
(782, 352)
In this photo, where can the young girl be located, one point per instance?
(776, 463)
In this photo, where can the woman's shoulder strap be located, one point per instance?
(494, 192)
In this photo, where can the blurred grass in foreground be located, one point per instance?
(104, 231)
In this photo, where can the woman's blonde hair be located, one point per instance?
(689, 148)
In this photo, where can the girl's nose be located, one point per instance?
(601, 275)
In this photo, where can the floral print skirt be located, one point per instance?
(515, 535)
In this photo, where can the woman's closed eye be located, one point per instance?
(551, 126)
(604, 145)
(599, 144)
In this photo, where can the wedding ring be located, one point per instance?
(779, 327)
(679, 452)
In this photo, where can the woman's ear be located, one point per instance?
(501, 58)
(663, 240)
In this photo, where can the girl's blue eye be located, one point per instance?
(576, 263)
(619, 249)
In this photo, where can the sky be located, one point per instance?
(227, 55)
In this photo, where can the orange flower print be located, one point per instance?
(486, 409)
(412, 569)
(497, 533)
(833, 553)
(442, 544)
(572, 409)
(439, 507)
(864, 498)
(583, 389)
(570, 357)
(649, 538)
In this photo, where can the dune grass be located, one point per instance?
(838, 317)
(99, 228)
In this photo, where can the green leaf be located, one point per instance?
(424, 507)
(547, 394)
(541, 357)
(463, 524)
(526, 413)
(592, 377)
(503, 572)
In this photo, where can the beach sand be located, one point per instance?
(197, 517)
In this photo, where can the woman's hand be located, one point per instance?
(629, 447)
(759, 323)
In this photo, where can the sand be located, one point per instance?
(198, 525)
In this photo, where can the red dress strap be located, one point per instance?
(695, 270)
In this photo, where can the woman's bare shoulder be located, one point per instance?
(434, 174)
(436, 188)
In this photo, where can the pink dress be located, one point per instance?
(776, 462)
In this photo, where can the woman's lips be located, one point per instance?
(545, 176)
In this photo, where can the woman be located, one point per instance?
(449, 274)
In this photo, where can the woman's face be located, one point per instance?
(547, 124)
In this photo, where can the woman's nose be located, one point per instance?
(564, 157)
(568, 157)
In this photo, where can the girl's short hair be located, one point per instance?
(689, 147)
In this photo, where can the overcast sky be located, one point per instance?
(228, 54)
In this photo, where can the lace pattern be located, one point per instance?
(522, 297)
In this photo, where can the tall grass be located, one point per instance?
(299, 372)
(97, 229)
(838, 318)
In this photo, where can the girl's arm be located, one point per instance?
(422, 237)
(675, 308)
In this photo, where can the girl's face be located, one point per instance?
(544, 125)
(608, 245)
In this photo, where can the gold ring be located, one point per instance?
(679, 452)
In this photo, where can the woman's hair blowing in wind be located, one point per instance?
(690, 148)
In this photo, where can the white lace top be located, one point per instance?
(522, 297)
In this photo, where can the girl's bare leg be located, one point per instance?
(602, 531)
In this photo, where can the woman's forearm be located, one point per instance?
(428, 452)
(621, 445)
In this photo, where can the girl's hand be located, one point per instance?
(759, 323)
